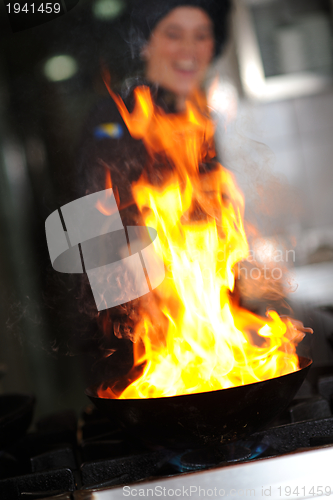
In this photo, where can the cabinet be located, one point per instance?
(284, 47)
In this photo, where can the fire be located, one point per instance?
(103, 204)
(202, 340)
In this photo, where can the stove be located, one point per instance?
(306, 474)
(88, 457)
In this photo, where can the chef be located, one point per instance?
(176, 41)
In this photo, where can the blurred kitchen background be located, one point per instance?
(272, 91)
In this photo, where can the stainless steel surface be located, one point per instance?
(304, 474)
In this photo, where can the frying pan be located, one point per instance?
(208, 417)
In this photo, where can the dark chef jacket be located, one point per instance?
(107, 144)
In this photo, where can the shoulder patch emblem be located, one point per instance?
(107, 130)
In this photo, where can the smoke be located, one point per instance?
(273, 211)
(26, 326)
(274, 204)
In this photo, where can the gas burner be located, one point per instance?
(207, 458)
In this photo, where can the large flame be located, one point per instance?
(205, 341)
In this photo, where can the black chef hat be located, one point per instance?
(147, 13)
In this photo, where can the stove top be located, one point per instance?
(305, 474)
(71, 458)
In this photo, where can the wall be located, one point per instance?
(282, 155)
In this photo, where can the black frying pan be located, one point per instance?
(208, 417)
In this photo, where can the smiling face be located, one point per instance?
(179, 50)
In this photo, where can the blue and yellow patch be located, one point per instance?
(107, 130)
